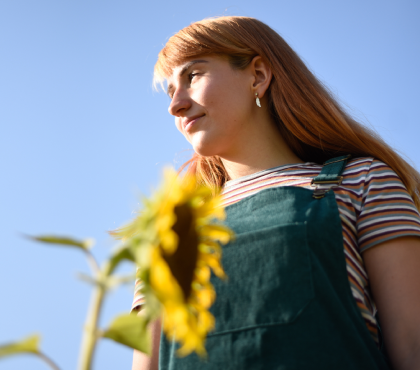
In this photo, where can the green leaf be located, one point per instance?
(62, 240)
(27, 345)
(123, 253)
(130, 330)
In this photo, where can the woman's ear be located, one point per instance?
(262, 75)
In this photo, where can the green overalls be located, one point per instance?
(287, 303)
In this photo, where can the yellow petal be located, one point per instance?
(215, 265)
(202, 274)
(218, 232)
(169, 241)
(205, 297)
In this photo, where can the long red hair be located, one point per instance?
(311, 121)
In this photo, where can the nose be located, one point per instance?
(180, 103)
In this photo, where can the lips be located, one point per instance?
(189, 122)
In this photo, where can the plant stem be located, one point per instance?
(92, 263)
(46, 359)
(90, 333)
(90, 330)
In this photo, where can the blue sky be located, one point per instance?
(84, 134)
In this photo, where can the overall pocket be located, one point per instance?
(269, 279)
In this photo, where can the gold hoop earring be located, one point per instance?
(257, 100)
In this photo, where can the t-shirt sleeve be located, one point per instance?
(387, 210)
(138, 299)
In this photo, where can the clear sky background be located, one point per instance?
(83, 133)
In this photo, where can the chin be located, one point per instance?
(204, 152)
(205, 148)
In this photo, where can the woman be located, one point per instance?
(326, 214)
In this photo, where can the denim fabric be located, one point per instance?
(287, 303)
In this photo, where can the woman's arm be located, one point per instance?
(140, 360)
(394, 274)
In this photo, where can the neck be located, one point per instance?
(262, 148)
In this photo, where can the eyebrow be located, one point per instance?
(184, 69)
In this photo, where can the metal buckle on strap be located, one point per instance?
(338, 181)
(324, 186)
(320, 190)
(319, 193)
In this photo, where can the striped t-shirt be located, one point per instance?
(373, 204)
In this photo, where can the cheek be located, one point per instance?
(225, 99)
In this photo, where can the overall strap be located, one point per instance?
(330, 176)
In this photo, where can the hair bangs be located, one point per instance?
(207, 37)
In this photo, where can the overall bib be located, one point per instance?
(287, 303)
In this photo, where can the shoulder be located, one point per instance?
(368, 169)
(370, 187)
(371, 183)
(385, 210)
(367, 175)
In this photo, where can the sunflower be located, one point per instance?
(176, 242)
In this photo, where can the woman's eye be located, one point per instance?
(192, 75)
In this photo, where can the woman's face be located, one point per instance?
(212, 104)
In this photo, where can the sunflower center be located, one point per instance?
(183, 261)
